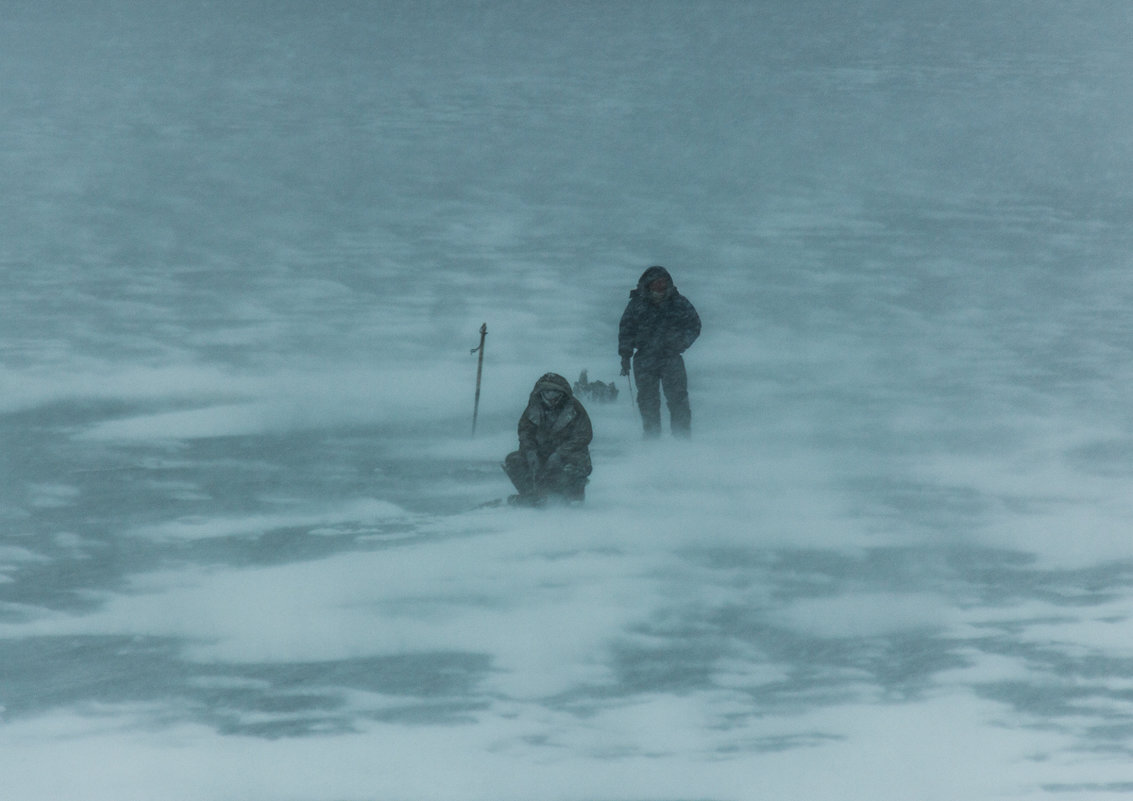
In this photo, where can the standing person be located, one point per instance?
(553, 459)
(658, 325)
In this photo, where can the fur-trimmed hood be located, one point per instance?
(648, 277)
(564, 413)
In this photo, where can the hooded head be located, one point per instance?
(655, 284)
(551, 391)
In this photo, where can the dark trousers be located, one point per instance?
(657, 373)
(568, 481)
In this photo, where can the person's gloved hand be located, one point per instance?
(625, 365)
(554, 464)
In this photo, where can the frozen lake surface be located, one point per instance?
(246, 249)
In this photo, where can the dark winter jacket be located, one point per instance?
(564, 430)
(657, 330)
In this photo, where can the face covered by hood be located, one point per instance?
(655, 284)
(550, 402)
(551, 391)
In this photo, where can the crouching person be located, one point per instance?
(553, 460)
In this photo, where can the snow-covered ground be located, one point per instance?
(246, 249)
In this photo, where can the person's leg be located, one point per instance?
(674, 380)
(648, 380)
(566, 486)
(576, 490)
(573, 479)
(519, 472)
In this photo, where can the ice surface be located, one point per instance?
(245, 252)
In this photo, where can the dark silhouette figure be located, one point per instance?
(658, 325)
(553, 460)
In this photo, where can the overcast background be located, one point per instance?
(246, 248)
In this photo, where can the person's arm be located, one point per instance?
(574, 448)
(689, 324)
(627, 334)
(527, 446)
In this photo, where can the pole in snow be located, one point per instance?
(479, 372)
